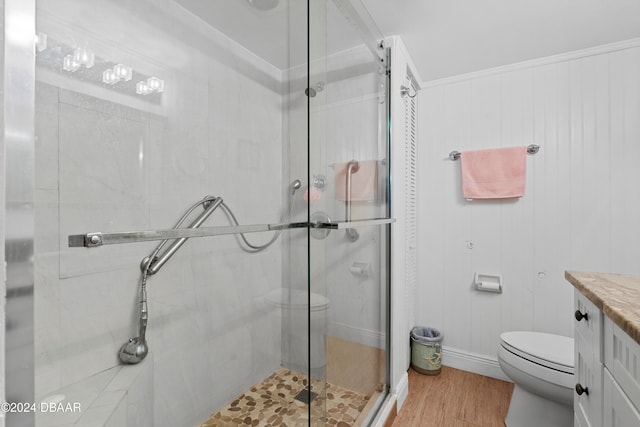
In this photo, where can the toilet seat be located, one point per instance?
(548, 350)
(543, 356)
(541, 368)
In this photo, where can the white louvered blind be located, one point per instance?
(410, 231)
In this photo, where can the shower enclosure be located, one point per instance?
(248, 136)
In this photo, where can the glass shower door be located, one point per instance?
(348, 203)
(257, 131)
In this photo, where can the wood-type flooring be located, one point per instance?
(454, 398)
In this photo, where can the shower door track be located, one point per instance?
(96, 239)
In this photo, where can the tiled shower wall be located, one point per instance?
(581, 204)
(106, 163)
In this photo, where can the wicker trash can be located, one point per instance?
(426, 350)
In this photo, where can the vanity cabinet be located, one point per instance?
(607, 358)
(588, 371)
(622, 378)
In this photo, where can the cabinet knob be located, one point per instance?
(579, 316)
(580, 390)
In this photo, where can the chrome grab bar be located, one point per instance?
(152, 266)
(352, 167)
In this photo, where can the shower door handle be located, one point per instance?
(343, 225)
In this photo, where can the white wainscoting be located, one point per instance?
(581, 204)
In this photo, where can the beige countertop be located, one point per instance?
(617, 295)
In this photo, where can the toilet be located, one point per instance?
(296, 308)
(541, 368)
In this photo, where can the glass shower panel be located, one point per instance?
(143, 109)
(349, 176)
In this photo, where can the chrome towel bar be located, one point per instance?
(531, 149)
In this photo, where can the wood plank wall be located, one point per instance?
(581, 209)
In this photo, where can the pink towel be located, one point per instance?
(498, 173)
(363, 182)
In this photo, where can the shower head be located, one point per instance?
(133, 351)
(295, 185)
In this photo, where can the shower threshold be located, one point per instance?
(274, 402)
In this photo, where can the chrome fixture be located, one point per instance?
(531, 149)
(318, 221)
(153, 262)
(319, 182)
(406, 91)
(312, 91)
(136, 349)
(352, 167)
(295, 185)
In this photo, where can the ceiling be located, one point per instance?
(451, 37)
(444, 37)
(272, 33)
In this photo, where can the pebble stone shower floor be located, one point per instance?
(272, 403)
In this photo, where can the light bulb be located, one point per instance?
(84, 56)
(142, 88)
(122, 72)
(109, 77)
(155, 84)
(69, 64)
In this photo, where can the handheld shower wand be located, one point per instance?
(136, 349)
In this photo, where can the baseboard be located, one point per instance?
(473, 362)
(402, 390)
(360, 335)
(387, 413)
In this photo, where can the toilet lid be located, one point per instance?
(552, 351)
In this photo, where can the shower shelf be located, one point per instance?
(92, 240)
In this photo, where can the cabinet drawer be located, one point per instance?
(591, 326)
(618, 409)
(588, 373)
(622, 358)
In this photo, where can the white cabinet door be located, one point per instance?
(622, 358)
(588, 323)
(618, 409)
(588, 375)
